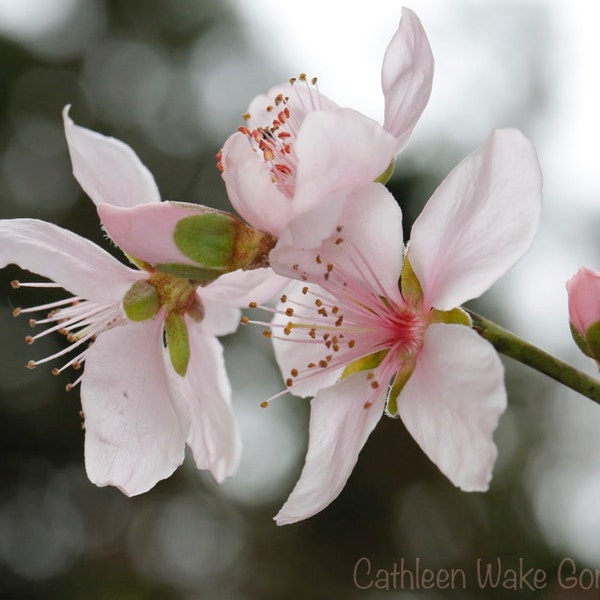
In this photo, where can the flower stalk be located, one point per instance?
(509, 344)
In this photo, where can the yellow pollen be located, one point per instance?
(302, 77)
(252, 305)
(244, 320)
(287, 330)
(246, 116)
(267, 333)
(264, 404)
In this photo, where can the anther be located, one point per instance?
(339, 228)
(367, 405)
(267, 333)
(302, 77)
(294, 372)
(339, 241)
(283, 298)
(246, 116)
(305, 290)
(314, 81)
(32, 322)
(323, 363)
(289, 311)
(55, 371)
(289, 382)
(319, 302)
(318, 259)
(31, 364)
(311, 365)
(375, 385)
(16, 312)
(244, 320)
(252, 305)
(29, 340)
(313, 333)
(68, 388)
(329, 268)
(264, 404)
(15, 284)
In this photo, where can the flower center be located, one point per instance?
(348, 325)
(274, 141)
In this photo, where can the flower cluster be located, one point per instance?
(364, 323)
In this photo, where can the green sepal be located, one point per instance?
(178, 342)
(142, 301)
(208, 239)
(372, 361)
(410, 286)
(580, 341)
(592, 337)
(456, 316)
(189, 271)
(387, 174)
(400, 379)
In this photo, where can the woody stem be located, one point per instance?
(509, 344)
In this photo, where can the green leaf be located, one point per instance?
(178, 342)
(365, 363)
(387, 174)
(141, 302)
(208, 239)
(189, 271)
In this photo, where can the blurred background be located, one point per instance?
(172, 79)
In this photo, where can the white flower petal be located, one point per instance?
(75, 263)
(135, 430)
(338, 150)
(406, 78)
(219, 318)
(107, 169)
(452, 403)
(241, 287)
(359, 232)
(295, 351)
(250, 188)
(479, 222)
(341, 420)
(214, 436)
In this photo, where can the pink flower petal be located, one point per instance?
(77, 264)
(341, 420)
(135, 430)
(584, 299)
(295, 352)
(219, 318)
(214, 436)
(406, 78)
(452, 403)
(238, 288)
(107, 169)
(146, 231)
(359, 232)
(479, 221)
(336, 151)
(250, 187)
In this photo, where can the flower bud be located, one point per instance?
(584, 311)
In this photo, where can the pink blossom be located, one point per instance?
(142, 401)
(358, 341)
(584, 299)
(298, 147)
